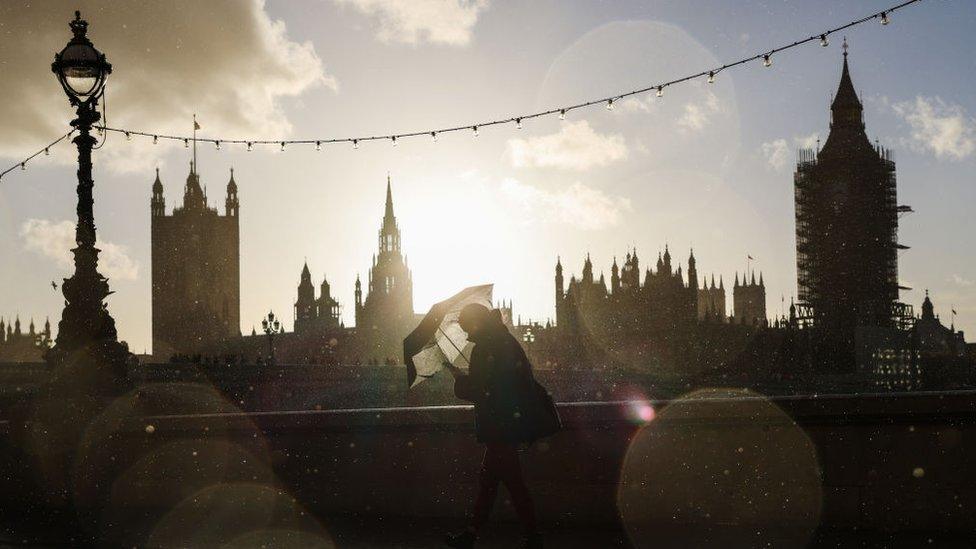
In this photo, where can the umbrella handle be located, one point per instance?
(460, 352)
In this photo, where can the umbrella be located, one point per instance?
(438, 339)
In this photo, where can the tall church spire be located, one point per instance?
(389, 232)
(388, 216)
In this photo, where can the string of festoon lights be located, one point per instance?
(46, 151)
(657, 90)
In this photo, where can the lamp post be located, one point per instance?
(85, 322)
(271, 327)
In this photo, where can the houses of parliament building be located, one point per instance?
(196, 283)
(383, 317)
(847, 318)
(658, 299)
(196, 288)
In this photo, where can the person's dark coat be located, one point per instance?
(509, 405)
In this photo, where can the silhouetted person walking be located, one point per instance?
(510, 409)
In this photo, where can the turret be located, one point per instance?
(193, 196)
(692, 271)
(587, 270)
(305, 304)
(667, 259)
(326, 289)
(928, 311)
(614, 276)
(559, 279)
(359, 293)
(231, 204)
(157, 204)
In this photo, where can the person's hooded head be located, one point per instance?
(478, 320)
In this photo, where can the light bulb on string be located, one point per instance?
(23, 166)
(767, 60)
(562, 114)
(128, 136)
(518, 123)
(393, 140)
(711, 77)
(318, 145)
(282, 146)
(47, 151)
(217, 144)
(355, 143)
(474, 130)
(155, 139)
(186, 143)
(610, 104)
(250, 146)
(433, 136)
(660, 91)
(884, 18)
(823, 40)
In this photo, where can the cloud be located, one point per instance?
(697, 115)
(807, 141)
(960, 281)
(776, 153)
(54, 240)
(938, 127)
(576, 146)
(447, 22)
(636, 103)
(225, 60)
(577, 205)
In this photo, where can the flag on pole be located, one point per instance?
(196, 126)
(750, 257)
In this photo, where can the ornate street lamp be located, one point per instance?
(85, 322)
(271, 327)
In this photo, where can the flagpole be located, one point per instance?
(194, 142)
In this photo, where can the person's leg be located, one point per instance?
(488, 479)
(483, 502)
(510, 473)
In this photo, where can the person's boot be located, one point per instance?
(532, 541)
(461, 540)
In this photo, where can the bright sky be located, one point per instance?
(706, 166)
